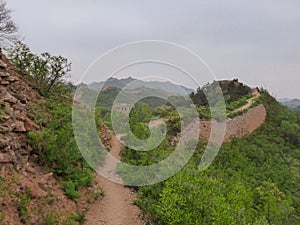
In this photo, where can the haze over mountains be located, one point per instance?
(132, 83)
(133, 88)
(293, 104)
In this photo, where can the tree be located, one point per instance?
(46, 72)
(8, 28)
(58, 69)
(191, 197)
(275, 205)
(21, 56)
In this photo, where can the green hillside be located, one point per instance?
(254, 180)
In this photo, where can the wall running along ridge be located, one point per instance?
(239, 126)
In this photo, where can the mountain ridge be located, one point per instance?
(134, 83)
(293, 103)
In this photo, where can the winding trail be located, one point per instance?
(250, 101)
(116, 208)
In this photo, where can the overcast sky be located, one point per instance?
(256, 41)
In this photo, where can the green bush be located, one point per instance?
(51, 219)
(56, 146)
(22, 208)
(46, 73)
(237, 104)
(70, 190)
(80, 218)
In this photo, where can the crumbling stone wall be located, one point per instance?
(239, 126)
(16, 118)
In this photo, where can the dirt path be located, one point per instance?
(116, 207)
(250, 101)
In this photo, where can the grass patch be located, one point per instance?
(22, 208)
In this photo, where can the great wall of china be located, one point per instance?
(239, 126)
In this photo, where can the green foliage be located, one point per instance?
(253, 180)
(2, 217)
(107, 96)
(204, 112)
(237, 113)
(70, 190)
(47, 73)
(51, 219)
(237, 104)
(60, 218)
(291, 131)
(22, 208)
(141, 112)
(173, 123)
(149, 157)
(56, 147)
(199, 98)
(107, 119)
(232, 92)
(21, 57)
(198, 199)
(139, 118)
(273, 204)
(80, 218)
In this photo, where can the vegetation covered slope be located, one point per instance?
(232, 90)
(40, 162)
(254, 180)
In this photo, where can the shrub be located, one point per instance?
(22, 208)
(51, 219)
(57, 148)
(70, 190)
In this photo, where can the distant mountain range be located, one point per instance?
(132, 84)
(293, 104)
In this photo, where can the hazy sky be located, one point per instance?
(256, 41)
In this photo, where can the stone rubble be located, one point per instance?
(15, 114)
